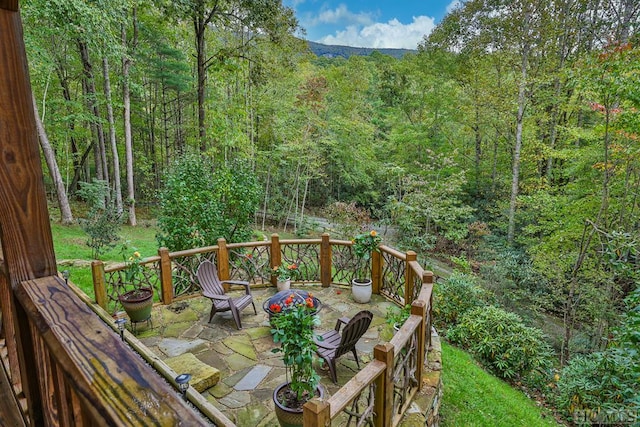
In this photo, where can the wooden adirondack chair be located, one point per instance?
(334, 344)
(212, 288)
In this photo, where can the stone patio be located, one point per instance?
(249, 371)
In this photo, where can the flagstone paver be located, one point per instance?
(174, 347)
(203, 375)
(253, 378)
(236, 399)
(237, 361)
(241, 344)
(249, 370)
(251, 415)
(259, 332)
(220, 390)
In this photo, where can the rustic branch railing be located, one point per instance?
(322, 261)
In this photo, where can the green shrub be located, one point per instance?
(397, 316)
(103, 222)
(512, 276)
(461, 263)
(500, 340)
(599, 385)
(454, 297)
(605, 386)
(200, 204)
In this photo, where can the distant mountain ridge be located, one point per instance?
(333, 51)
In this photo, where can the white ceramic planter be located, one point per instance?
(285, 285)
(361, 290)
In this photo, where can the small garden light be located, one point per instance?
(183, 383)
(121, 322)
(65, 275)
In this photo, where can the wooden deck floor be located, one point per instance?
(10, 413)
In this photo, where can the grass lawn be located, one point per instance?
(473, 397)
(70, 244)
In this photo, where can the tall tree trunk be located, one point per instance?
(165, 125)
(555, 115)
(627, 13)
(200, 26)
(128, 143)
(179, 130)
(75, 154)
(92, 102)
(112, 137)
(515, 173)
(66, 217)
(266, 198)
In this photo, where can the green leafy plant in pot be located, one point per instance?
(292, 328)
(363, 246)
(137, 302)
(397, 316)
(285, 273)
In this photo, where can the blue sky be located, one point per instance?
(370, 23)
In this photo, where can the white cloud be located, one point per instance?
(453, 5)
(341, 14)
(392, 34)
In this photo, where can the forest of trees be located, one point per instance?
(511, 138)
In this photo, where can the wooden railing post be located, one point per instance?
(408, 284)
(223, 260)
(166, 278)
(99, 283)
(419, 308)
(27, 243)
(276, 256)
(316, 413)
(427, 281)
(325, 261)
(376, 271)
(7, 305)
(383, 406)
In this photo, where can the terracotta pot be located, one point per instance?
(361, 290)
(290, 417)
(137, 303)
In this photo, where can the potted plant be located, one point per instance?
(285, 273)
(363, 246)
(292, 328)
(397, 316)
(138, 301)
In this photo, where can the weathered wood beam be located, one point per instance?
(80, 355)
(9, 5)
(25, 232)
(10, 413)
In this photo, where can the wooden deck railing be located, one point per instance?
(324, 260)
(84, 374)
(382, 391)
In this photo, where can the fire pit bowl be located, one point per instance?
(299, 297)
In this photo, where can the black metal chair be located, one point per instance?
(212, 288)
(334, 343)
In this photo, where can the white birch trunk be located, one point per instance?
(66, 217)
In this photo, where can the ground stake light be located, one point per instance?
(121, 322)
(183, 383)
